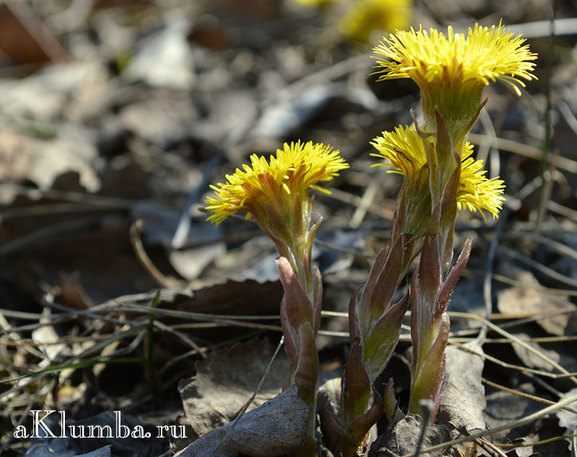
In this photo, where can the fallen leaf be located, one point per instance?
(567, 419)
(503, 407)
(78, 91)
(161, 119)
(165, 58)
(225, 382)
(232, 297)
(463, 395)
(43, 161)
(530, 298)
(274, 429)
(47, 341)
(563, 354)
(404, 436)
(190, 263)
(293, 111)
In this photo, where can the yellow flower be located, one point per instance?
(368, 16)
(452, 69)
(406, 152)
(477, 193)
(275, 191)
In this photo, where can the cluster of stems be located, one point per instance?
(439, 179)
(423, 231)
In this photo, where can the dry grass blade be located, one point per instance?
(260, 382)
(146, 261)
(521, 394)
(522, 369)
(561, 404)
(534, 443)
(519, 341)
(490, 448)
(524, 150)
(357, 202)
(195, 347)
(365, 203)
(539, 267)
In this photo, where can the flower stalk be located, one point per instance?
(451, 70)
(375, 316)
(275, 193)
(375, 325)
(429, 299)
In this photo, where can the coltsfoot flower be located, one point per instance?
(451, 69)
(368, 16)
(277, 184)
(477, 193)
(406, 151)
(275, 192)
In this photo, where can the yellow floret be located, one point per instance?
(477, 193)
(277, 185)
(451, 69)
(405, 151)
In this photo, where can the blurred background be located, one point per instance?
(116, 115)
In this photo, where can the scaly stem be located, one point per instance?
(429, 297)
(374, 325)
(300, 316)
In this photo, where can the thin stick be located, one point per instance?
(159, 277)
(526, 150)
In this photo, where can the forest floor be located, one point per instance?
(117, 295)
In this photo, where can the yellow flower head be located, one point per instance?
(367, 16)
(405, 152)
(477, 193)
(275, 191)
(452, 69)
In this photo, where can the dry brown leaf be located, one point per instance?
(404, 436)
(562, 354)
(276, 428)
(42, 162)
(463, 395)
(530, 298)
(225, 382)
